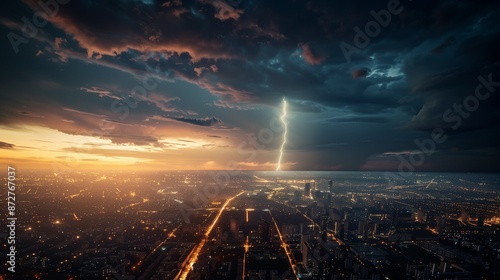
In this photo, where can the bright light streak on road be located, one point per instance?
(285, 246)
(194, 254)
(247, 246)
(340, 242)
(431, 182)
(283, 117)
(150, 255)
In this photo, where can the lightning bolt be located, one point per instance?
(283, 117)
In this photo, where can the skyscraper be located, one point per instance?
(330, 186)
(323, 257)
(307, 189)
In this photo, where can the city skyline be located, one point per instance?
(199, 85)
(193, 225)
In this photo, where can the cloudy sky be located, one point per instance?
(200, 84)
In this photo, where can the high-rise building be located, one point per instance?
(264, 231)
(301, 231)
(297, 195)
(335, 214)
(323, 258)
(330, 186)
(325, 218)
(307, 189)
(305, 249)
(363, 230)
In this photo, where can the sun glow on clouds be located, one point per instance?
(177, 144)
(43, 145)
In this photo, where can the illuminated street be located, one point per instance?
(247, 246)
(289, 254)
(183, 274)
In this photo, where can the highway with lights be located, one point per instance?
(183, 274)
(289, 255)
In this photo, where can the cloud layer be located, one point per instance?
(137, 72)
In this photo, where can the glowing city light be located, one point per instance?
(283, 117)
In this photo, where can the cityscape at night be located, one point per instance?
(258, 225)
(250, 139)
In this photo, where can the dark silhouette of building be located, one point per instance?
(307, 189)
(480, 221)
(297, 195)
(264, 232)
(323, 258)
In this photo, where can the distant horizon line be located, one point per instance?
(246, 170)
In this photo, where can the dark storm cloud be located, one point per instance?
(310, 55)
(213, 121)
(306, 106)
(362, 119)
(360, 73)
(452, 81)
(427, 58)
(142, 27)
(448, 42)
(185, 51)
(29, 114)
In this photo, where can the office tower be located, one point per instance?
(307, 189)
(297, 195)
(323, 258)
(330, 186)
(325, 219)
(335, 214)
(305, 249)
(363, 230)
